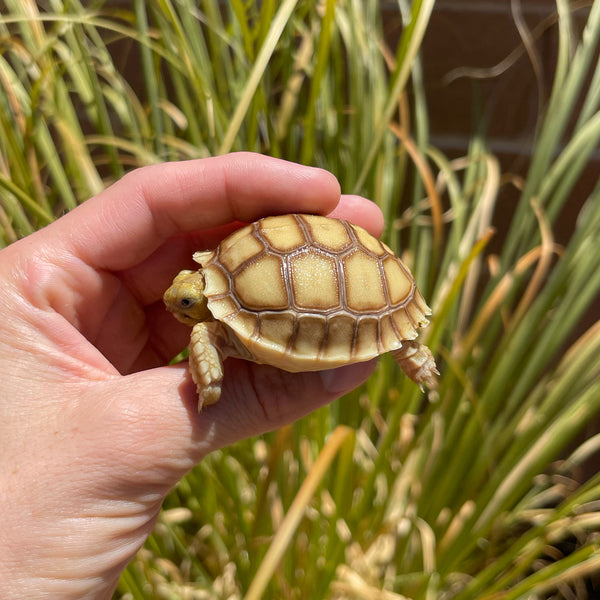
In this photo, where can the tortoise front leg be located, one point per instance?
(206, 362)
(211, 343)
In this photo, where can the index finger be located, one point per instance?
(128, 221)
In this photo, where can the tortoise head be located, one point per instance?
(185, 298)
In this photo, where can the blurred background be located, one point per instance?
(475, 126)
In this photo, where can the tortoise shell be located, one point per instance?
(305, 292)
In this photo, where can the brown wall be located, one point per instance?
(477, 36)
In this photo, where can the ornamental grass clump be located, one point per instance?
(474, 491)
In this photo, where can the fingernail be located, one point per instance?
(344, 379)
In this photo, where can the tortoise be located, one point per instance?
(302, 293)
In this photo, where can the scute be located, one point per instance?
(233, 254)
(260, 285)
(309, 334)
(245, 323)
(216, 281)
(339, 343)
(400, 286)
(282, 233)
(369, 242)
(390, 340)
(420, 302)
(314, 281)
(404, 324)
(329, 234)
(276, 329)
(417, 317)
(223, 308)
(364, 285)
(366, 339)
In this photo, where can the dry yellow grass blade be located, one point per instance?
(351, 585)
(499, 295)
(543, 264)
(428, 181)
(481, 222)
(290, 523)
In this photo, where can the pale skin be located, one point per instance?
(95, 429)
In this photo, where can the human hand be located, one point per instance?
(94, 427)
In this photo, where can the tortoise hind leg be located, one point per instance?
(417, 361)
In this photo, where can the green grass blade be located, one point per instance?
(262, 59)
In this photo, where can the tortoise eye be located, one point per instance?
(186, 302)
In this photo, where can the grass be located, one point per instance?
(473, 493)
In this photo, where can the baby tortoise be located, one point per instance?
(301, 293)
